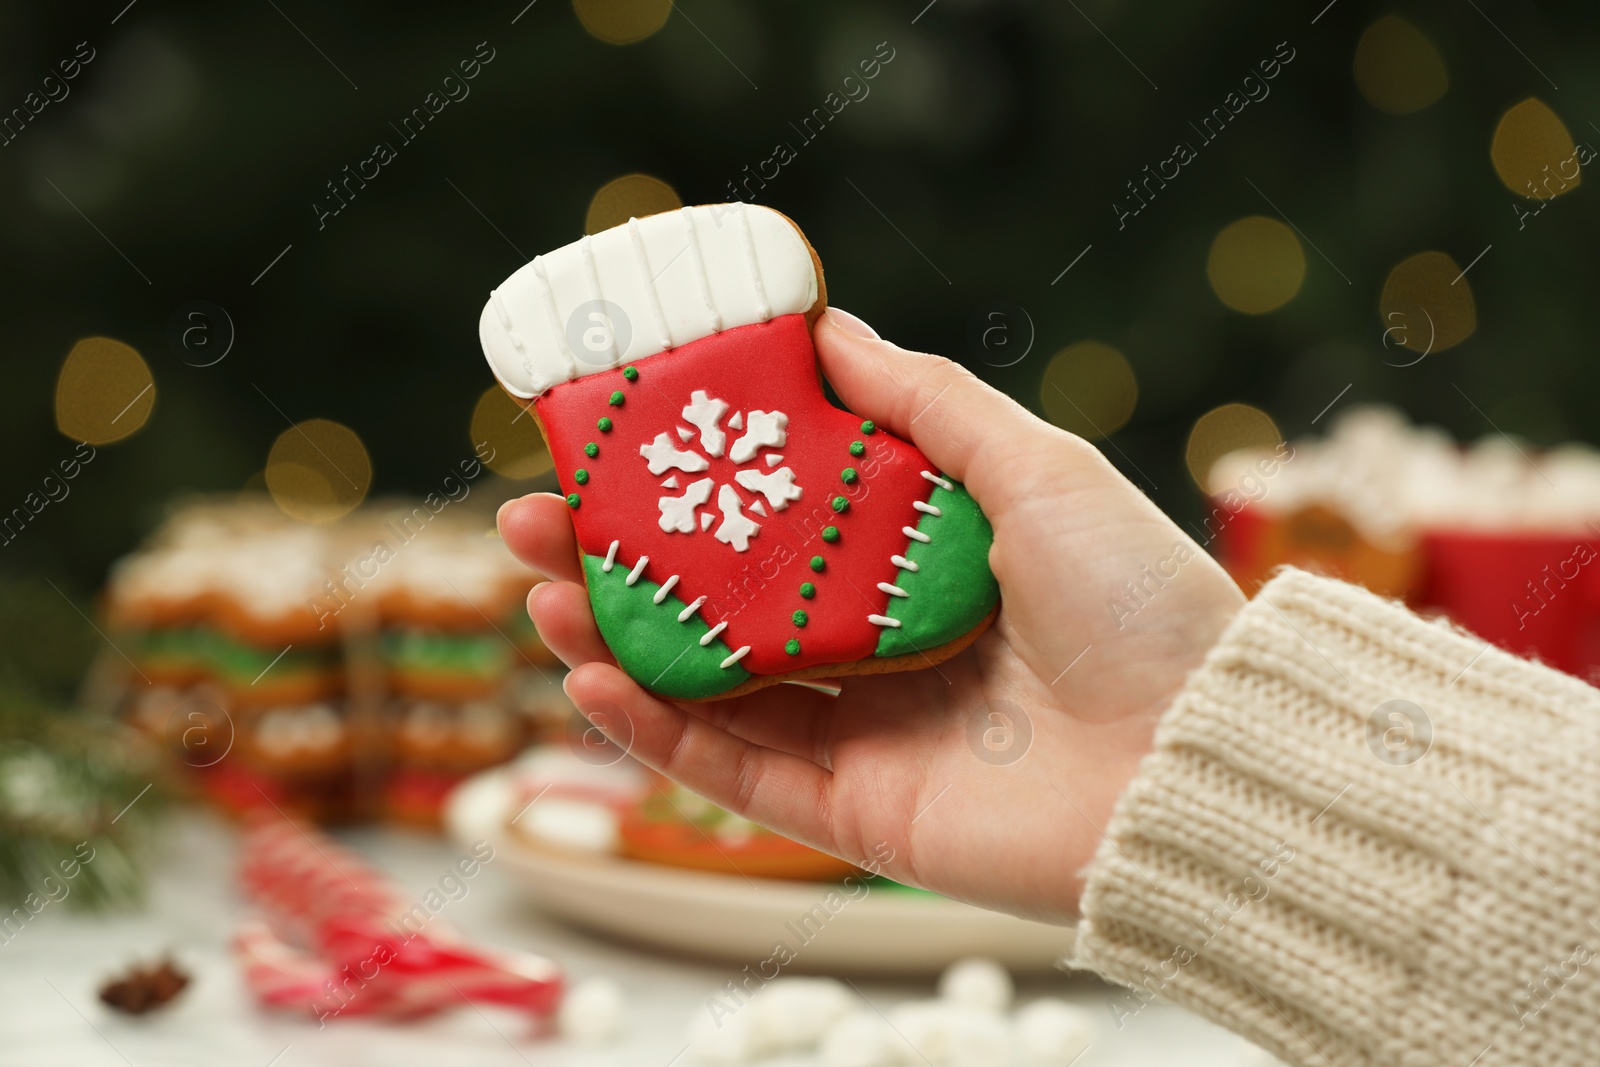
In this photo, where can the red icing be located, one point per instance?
(766, 366)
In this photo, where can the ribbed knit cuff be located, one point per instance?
(1362, 838)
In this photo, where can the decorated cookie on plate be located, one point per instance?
(735, 528)
(673, 826)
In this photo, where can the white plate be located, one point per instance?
(744, 920)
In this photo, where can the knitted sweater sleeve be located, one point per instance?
(1362, 838)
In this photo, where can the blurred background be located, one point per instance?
(247, 246)
(188, 159)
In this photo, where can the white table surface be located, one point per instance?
(49, 1013)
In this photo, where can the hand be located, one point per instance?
(991, 776)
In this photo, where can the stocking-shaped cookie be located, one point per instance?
(735, 528)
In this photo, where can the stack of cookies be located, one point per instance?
(331, 671)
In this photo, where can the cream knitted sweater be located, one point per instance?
(1347, 880)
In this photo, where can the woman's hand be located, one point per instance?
(990, 777)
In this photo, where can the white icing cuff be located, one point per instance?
(642, 288)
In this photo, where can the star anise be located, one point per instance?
(144, 988)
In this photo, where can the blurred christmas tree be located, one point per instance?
(76, 793)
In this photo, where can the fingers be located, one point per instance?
(560, 611)
(776, 789)
(970, 430)
(785, 718)
(538, 531)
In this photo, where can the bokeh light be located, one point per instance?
(1227, 429)
(1397, 68)
(515, 447)
(1533, 153)
(318, 470)
(104, 392)
(1427, 304)
(628, 197)
(1089, 389)
(622, 21)
(1256, 265)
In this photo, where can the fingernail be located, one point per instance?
(500, 514)
(851, 324)
(565, 679)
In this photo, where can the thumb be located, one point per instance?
(969, 429)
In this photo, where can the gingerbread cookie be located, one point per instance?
(735, 528)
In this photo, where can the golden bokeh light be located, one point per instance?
(622, 21)
(1089, 389)
(1427, 304)
(104, 391)
(1226, 429)
(632, 196)
(508, 437)
(1256, 265)
(1397, 68)
(318, 470)
(1533, 153)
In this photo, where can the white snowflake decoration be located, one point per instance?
(772, 489)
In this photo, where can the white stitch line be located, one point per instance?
(924, 506)
(711, 634)
(666, 587)
(649, 282)
(705, 281)
(736, 657)
(586, 252)
(638, 569)
(915, 535)
(942, 483)
(904, 564)
(611, 557)
(763, 308)
(554, 315)
(883, 620)
(684, 615)
(892, 590)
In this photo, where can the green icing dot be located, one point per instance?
(580, 476)
(631, 373)
(817, 562)
(605, 425)
(848, 475)
(591, 450)
(840, 504)
(617, 399)
(800, 618)
(573, 501)
(857, 448)
(869, 427)
(808, 590)
(792, 647)
(830, 534)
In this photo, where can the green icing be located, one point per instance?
(657, 650)
(830, 534)
(857, 448)
(573, 500)
(604, 424)
(434, 652)
(792, 647)
(631, 373)
(808, 590)
(216, 651)
(952, 588)
(591, 450)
